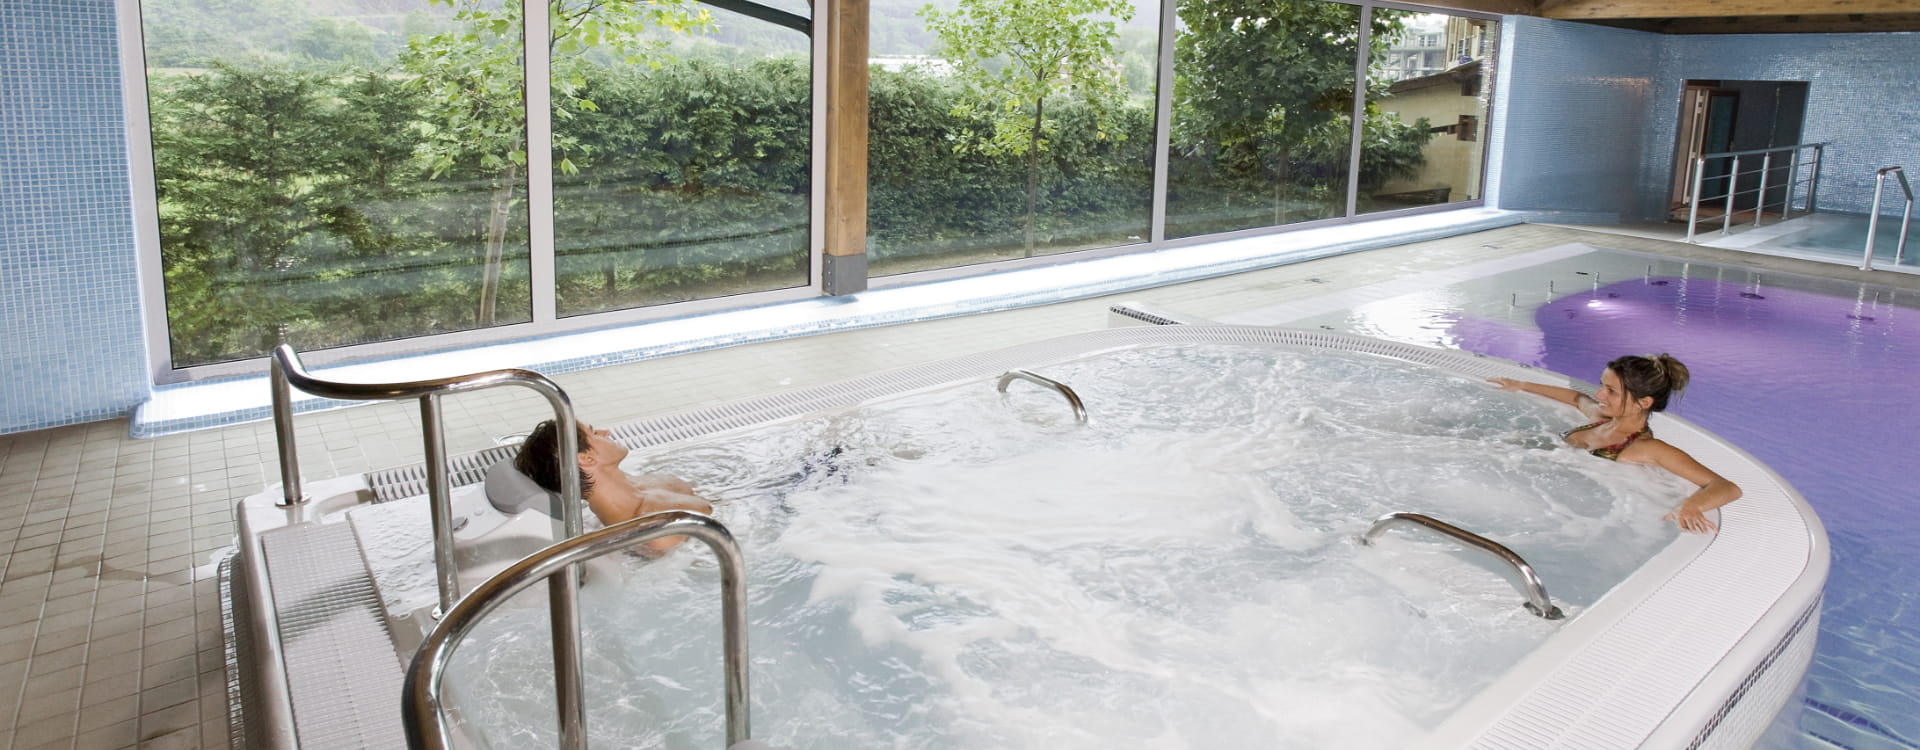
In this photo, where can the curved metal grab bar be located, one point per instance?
(421, 707)
(1536, 592)
(1073, 399)
(1873, 215)
(285, 372)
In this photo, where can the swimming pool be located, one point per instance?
(1810, 375)
(1830, 237)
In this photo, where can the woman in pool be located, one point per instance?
(1631, 388)
(613, 494)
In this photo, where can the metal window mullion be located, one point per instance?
(145, 210)
(818, 39)
(1163, 123)
(538, 95)
(1361, 57)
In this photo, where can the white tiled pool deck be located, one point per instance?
(110, 633)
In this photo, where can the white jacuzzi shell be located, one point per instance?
(1699, 648)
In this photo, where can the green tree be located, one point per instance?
(335, 40)
(1019, 53)
(1264, 92)
(476, 117)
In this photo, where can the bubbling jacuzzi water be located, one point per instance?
(958, 569)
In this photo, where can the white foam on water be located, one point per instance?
(958, 569)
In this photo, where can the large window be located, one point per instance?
(1262, 113)
(341, 173)
(341, 177)
(684, 162)
(1005, 129)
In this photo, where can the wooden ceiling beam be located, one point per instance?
(1773, 24)
(1594, 10)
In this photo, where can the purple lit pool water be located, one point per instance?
(1816, 378)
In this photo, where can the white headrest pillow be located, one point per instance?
(511, 491)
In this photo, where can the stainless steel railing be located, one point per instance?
(1727, 192)
(422, 707)
(1073, 399)
(1873, 217)
(1535, 591)
(286, 373)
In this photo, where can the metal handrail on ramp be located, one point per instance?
(285, 373)
(1536, 592)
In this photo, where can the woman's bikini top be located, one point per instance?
(1611, 452)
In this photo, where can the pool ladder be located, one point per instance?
(558, 565)
(1535, 591)
(1873, 216)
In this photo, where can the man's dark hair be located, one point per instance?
(539, 458)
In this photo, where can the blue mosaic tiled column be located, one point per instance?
(71, 343)
(1577, 99)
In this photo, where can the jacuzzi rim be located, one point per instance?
(1478, 723)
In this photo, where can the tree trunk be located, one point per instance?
(1033, 167)
(1282, 181)
(496, 246)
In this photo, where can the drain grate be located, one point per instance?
(409, 481)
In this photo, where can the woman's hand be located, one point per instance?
(1508, 384)
(1691, 520)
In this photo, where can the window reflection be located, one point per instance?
(1263, 101)
(1429, 93)
(683, 164)
(1003, 130)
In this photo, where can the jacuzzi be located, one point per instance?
(1698, 646)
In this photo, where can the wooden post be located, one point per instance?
(844, 269)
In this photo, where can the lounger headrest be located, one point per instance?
(512, 492)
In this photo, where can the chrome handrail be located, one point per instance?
(421, 706)
(1073, 399)
(1873, 216)
(285, 373)
(1767, 166)
(1535, 591)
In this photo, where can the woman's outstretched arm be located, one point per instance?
(1568, 396)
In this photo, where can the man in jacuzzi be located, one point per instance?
(1632, 387)
(613, 495)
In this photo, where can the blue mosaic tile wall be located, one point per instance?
(1577, 98)
(71, 347)
(1863, 98)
